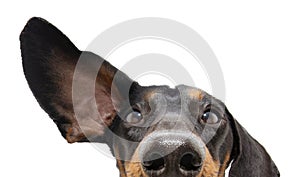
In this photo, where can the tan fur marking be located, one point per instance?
(224, 165)
(149, 95)
(134, 167)
(119, 162)
(195, 94)
(121, 168)
(210, 166)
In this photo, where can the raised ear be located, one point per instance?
(249, 157)
(74, 87)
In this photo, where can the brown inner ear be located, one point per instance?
(79, 120)
(96, 96)
(86, 100)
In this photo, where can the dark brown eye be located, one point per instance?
(134, 117)
(210, 117)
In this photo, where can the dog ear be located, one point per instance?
(249, 157)
(79, 90)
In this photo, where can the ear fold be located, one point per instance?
(53, 65)
(250, 158)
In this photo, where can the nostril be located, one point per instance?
(154, 162)
(190, 162)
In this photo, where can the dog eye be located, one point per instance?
(210, 117)
(134, 117)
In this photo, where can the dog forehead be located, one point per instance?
(174, 95)
(172, 100)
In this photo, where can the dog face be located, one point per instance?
(172, 126)
(152, 131)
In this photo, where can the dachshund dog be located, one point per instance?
(151, 131)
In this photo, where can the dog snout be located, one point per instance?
(172, 154)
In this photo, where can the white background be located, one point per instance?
(257, 44)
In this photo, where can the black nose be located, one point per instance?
(172, 156)
(189, 162)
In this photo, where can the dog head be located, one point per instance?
(152, 131)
